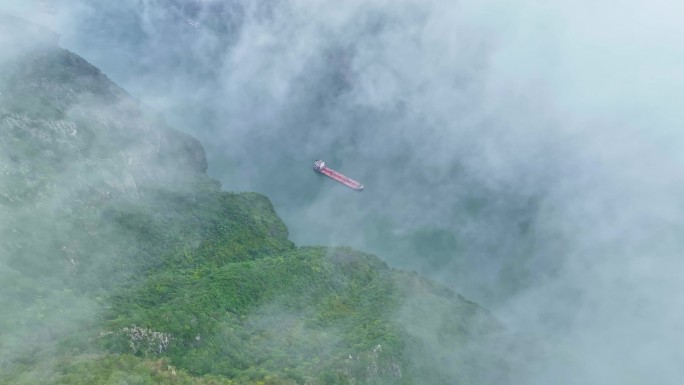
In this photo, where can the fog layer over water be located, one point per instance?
(526, 154)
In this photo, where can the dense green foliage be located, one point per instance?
(122, 262)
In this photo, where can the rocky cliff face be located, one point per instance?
(73, 145)
(70, 113)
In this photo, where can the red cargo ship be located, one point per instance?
(319, 166)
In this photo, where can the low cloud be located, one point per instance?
(540, 140)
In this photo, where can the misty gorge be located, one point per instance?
(161, 223)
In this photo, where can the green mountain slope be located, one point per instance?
(122, 262)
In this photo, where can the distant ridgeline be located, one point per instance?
(121, 261)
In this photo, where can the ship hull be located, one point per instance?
(341, 178)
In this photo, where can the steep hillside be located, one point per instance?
(123, 262)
